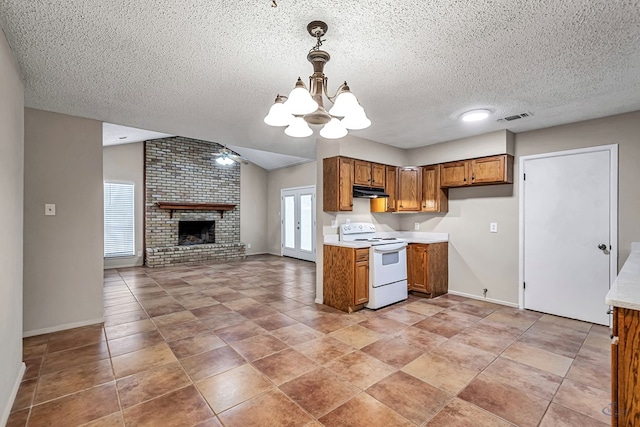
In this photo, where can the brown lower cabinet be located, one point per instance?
(345, 277)
(428, 270)
(625, 364)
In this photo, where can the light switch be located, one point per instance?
(49, 209)
(493, 227)
(416, 225)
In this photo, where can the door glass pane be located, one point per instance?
(289, 222)
(306, 222)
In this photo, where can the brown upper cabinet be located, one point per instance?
(387, 204)
(409, 189)
(481, 171)
(368, 174)
(434, 197)
(337, 184)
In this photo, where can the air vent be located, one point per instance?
(515, 117)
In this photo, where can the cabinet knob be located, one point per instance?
(473, 177)
(465, 179)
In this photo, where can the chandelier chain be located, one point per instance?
(319, 41)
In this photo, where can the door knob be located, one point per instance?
(602, 247)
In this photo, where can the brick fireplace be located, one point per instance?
(183, 171)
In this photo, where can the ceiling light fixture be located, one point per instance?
(475, 115)
(304, 107)
(224, 160)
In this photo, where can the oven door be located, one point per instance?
(389, 264)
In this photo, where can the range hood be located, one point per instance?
(368, 192)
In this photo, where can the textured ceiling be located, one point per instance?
(211, 69)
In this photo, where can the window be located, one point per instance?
(118, 220)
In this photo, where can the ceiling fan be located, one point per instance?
(227, 157)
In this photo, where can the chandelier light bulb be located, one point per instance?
(298, 128)
(356, 120)
(300, 101)
(279, 114)
(333, 130)
(345, 104)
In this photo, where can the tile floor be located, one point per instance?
(243, 344)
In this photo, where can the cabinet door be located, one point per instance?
(488, 170)
(409, 189)
(377, 175)
(361, 290)
(391, 187)
(434, 198)
(454, 174)
(417, 268)
(345, 187)
(361, 173)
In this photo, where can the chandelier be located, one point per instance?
(306, 107)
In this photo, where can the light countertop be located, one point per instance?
(625, 291)
(407, 236)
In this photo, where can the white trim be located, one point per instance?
(318, 301)
(613, 209)
(12, 396)
(66, 326)
(480, 298)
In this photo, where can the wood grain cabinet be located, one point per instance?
(337, 178)
(625, 359)
(409, 189)
(368, 174)
(480, 171)
(427, 268)
(388, 204)
(434, 197)
(345, 277)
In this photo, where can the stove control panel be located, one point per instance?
(357, 227)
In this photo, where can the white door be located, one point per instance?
(569, 232)
(298, 223)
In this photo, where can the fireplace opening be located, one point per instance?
(196, 232)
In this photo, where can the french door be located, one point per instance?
(299, 222)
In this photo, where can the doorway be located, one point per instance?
(568, 232)
(299, 222)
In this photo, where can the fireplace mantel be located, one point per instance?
(177, 206)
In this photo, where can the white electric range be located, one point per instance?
(387, 264)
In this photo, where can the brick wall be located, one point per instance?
(182, 169)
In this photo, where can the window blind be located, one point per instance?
(118, 220)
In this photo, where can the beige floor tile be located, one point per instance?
(459, 413)
(141, 360)
(440, 373)
(235, 386)
(360, 369)
(538, 358)
(149, 384)
(364, 411)
(356, 336)
(584, 399)
(272, 408)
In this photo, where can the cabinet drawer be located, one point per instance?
(362, 255)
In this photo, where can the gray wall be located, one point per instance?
(11, 211)
(253, 215)
(479, 259)
(123, 163)
(63, 254)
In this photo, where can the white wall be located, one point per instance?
(253, 208)
(11, 211)
(63, 254)
(124, 164)
(479, 259)
(295, 176)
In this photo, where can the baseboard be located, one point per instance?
(478, 297)
(318, 301)
(12, 397)
(34, 332)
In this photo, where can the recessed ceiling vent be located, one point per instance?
(515, 117)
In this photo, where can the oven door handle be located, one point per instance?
(390, 248)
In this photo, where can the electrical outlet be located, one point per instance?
(248, 245)
(139, 253)
(347, 221)
(49, 209)
(416, 225)
(334, 223)
(493, 227)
